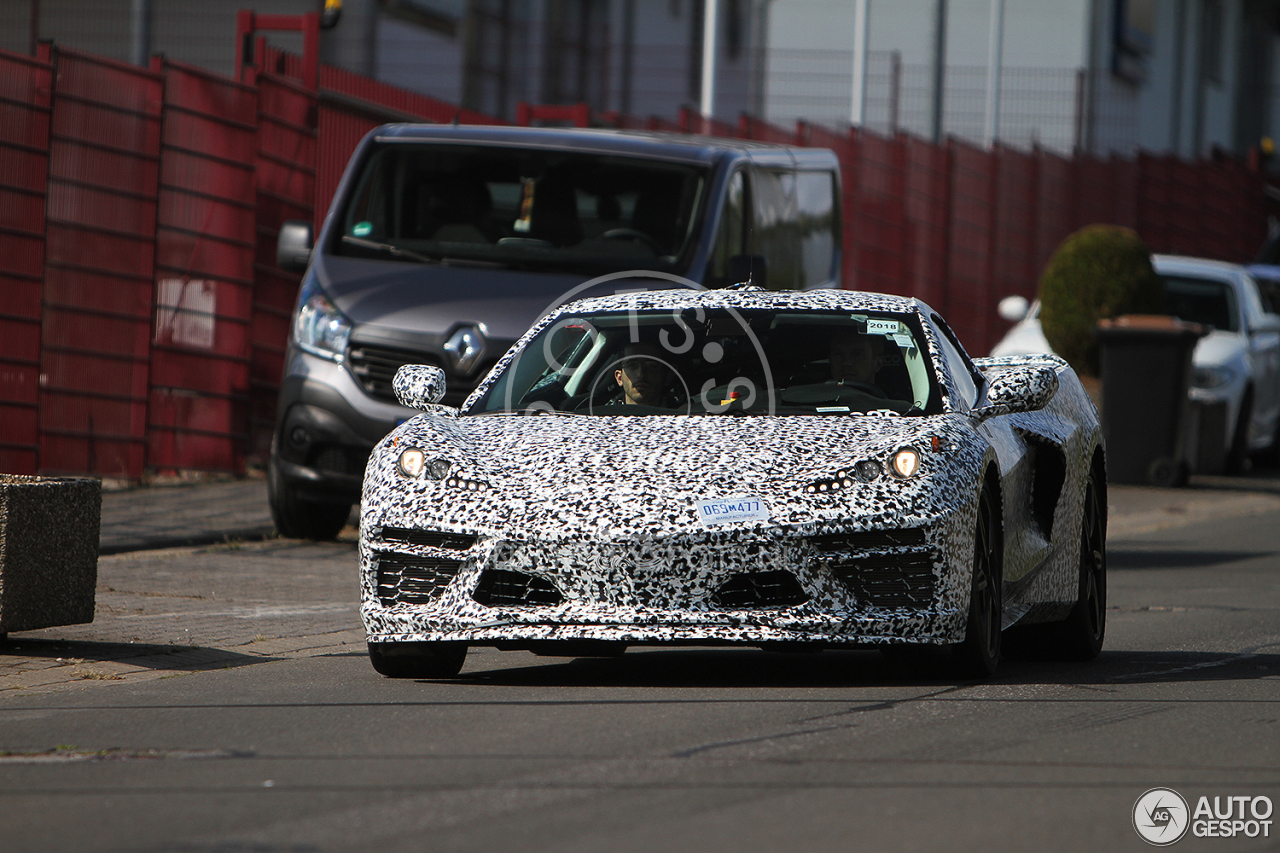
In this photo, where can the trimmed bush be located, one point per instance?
(1098, 272)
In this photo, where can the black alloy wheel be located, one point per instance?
(418, 660)
(979, 654)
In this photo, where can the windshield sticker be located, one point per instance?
(362, 229)
(728, 510)
(883, 327)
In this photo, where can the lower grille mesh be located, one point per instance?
(409, 579)
(501, 587)
(748, 590)
(890, 580)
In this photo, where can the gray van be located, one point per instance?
(445, 243)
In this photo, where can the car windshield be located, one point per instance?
(720, 362)
(1200, 300)
(522, 207)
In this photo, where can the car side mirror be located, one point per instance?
(1026, 388)
(1013, 309)
(419, 386)
(293, 246)
(740, 269)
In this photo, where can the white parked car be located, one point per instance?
(1237, 363)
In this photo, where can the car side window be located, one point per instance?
(966, 377)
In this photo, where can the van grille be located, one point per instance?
(376, 366)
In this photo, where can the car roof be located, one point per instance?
(746, 298)
(1181, 264)
(655, 144)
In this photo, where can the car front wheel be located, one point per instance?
(418, 660)
(979, 654)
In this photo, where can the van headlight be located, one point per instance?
(318, 326)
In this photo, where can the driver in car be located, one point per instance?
(643, 375)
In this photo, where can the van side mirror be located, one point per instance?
(293, 246)
(418, 385)
(743, 268)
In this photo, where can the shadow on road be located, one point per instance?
(1126, 558)
(148, 655)
(700, 668)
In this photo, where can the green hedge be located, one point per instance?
(1098, 272)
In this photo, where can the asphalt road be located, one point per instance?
(253, 738)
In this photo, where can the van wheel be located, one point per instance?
(296, 518)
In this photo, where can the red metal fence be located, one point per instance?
(99, 265)
(26, 94)
(143, 320)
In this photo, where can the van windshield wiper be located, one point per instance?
(394, 251)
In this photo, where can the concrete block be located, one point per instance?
(48, 551)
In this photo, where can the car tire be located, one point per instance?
(1270, 457)
(296, 518)
(1238, 455)
(979, 654)
(418, 660)
(1079, 637)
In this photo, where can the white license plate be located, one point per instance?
(728, 510)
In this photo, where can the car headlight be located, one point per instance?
(413, 463)
(318, 326)
(1211, 378)
(905, 463)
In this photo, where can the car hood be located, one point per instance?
(432, 299)
(612, 477)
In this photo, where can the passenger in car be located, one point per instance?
(856, 357)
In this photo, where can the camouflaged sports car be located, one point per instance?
(785, 470)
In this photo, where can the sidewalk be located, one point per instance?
(180, 516)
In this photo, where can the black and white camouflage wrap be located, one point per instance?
(603, 508)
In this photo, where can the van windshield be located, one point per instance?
(523, 207)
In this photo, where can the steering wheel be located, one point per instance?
(865, 388)
(635, 236)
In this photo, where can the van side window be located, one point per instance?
(731, 238)
(819, 225)
(776, 229)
